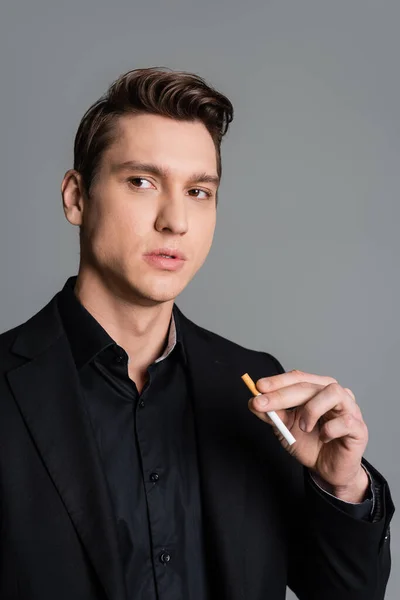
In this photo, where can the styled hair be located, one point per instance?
(158, 91)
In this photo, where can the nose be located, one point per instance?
(172, 214)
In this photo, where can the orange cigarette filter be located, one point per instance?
(250, 384)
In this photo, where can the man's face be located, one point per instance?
(133, 211)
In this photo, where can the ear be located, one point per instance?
(73, 197)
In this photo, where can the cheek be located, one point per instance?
(204, 240)
(116, 229)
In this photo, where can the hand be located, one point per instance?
(326, 421)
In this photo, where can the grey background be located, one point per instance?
(304, 262)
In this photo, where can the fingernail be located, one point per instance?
(262, 401)
(302, 424)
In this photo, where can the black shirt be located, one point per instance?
(147, 445)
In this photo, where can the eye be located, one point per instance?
(134, 180)
(207, 194)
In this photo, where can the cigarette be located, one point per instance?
(271, 413)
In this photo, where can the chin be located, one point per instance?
(155, 293)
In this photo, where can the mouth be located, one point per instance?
(171, 253)
(165, 259)
(164, 255)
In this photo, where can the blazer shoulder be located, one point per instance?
(236, 350)
(8, 360)
(232, 349)
(8, 337)
(24, 339)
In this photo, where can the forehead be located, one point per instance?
(181, 146)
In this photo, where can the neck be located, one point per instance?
(141, 330)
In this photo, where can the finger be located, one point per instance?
(348, 390)
(344, 426)
(287, 397)
(332, 397)
(266, 384)
(263, 415)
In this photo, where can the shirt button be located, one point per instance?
(154, 477)
(141, 404)
(165, 558)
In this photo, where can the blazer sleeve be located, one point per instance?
(335, 555)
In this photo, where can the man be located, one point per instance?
(133, 464)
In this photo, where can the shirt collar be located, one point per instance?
(88, 338)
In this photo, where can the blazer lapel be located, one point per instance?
(47, 392)
(222, 466)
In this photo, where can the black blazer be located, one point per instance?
(266, 527)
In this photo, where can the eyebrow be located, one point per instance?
(133, 165)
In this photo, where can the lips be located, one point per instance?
(161, 260)
(169, 252)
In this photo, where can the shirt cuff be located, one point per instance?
(359, 510)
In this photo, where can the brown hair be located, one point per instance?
(160, 91)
